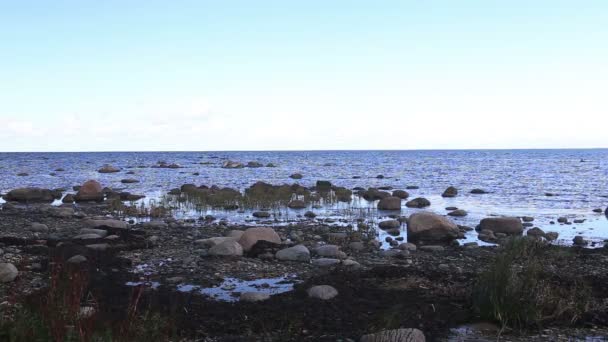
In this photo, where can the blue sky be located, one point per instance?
(280, 75)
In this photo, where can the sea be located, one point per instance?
(544, 184)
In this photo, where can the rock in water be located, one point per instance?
(323, 292)
(30, 195)
(458, 213)
(450, 192)
(227, 248)
(252, 235)
(390, 203)
(389, 224)
(295, 253)
(297, 204)
(397, 335)
(506, 225)
(426, 226)
(419, 202)
(108, 169)
(8, 272)
(91, 190)
(323, 186)
(401, 194)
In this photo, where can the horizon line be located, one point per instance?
(328, 150)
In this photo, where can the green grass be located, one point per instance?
(518, 292)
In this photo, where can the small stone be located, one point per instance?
(253, 297)
(323, 292)
(8, 272)
(77, 259)
(39, 228)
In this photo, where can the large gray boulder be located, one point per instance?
(252, 235)
(390, 203)
(227, 248)
(397, 335)
(426, 226)
(505, 225)
(295, 253)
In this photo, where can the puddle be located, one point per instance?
(231, 288)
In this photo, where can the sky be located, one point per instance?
(202, 75)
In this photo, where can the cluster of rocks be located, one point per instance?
(229, 164)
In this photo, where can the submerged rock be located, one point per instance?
(579, 241)
(478, 191)
(296, 176)
(426, 226)
(419, 202)
(506, 225)
(323, 186)
(108, 169)
(458, 213)
(261, 214)
(323, 292)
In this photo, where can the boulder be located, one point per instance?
(419, 202)
(330, 251)
(108, 169)
(227, 248)
(579, 241)
(8, 272)
(39, 228)
(373, 194)
(551, 236)
(30, 195)
(426, 226)
(458, 213)
(535, 232)
(252, 235)
(295, 253)
(390, 203)
(323, 292)
(450, 192)
(397, 335)
(505, 225)
(90, 191)
(401, 194)
(389, 224)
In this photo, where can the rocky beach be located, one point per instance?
(296, 260)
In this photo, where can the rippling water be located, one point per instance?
(516, 179)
